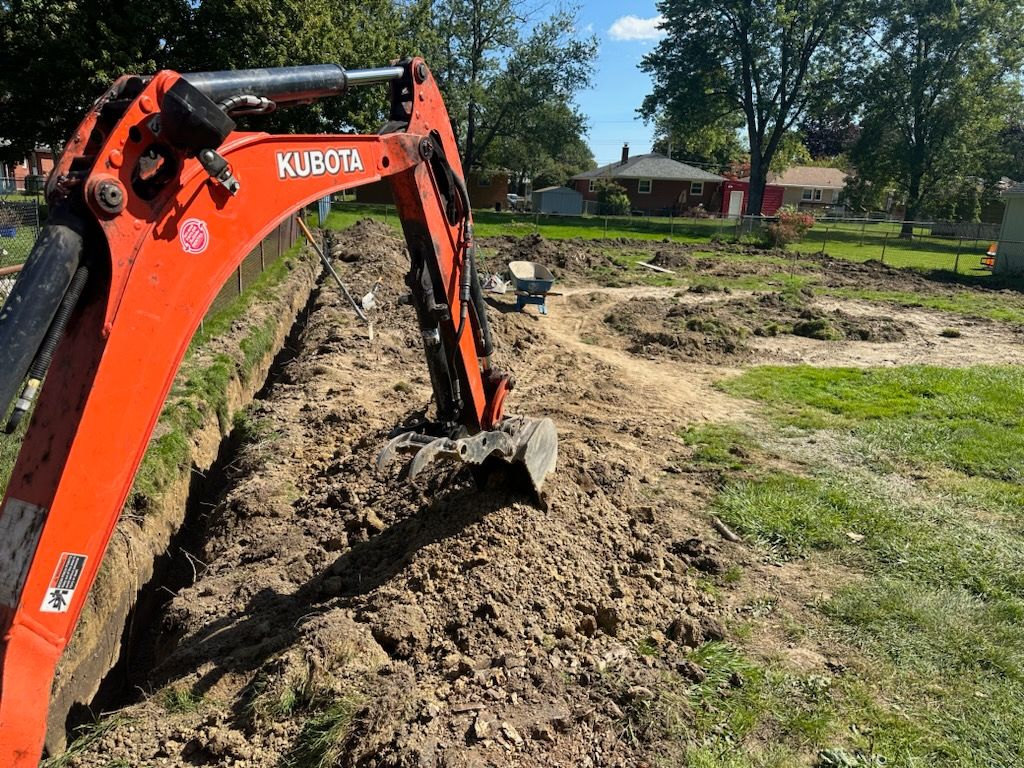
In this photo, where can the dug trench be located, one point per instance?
(340, 616)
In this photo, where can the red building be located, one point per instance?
(15, 175)
(734, 195)
(656, 185)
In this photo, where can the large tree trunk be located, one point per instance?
(913, 205)
(758, 180)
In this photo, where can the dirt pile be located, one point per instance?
(566, 258)
(341, 616)
(710, 331)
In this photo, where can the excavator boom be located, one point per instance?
(155, 201)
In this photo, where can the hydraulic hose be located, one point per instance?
(41, 363)
(29, 310)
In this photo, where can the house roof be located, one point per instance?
(650, 166)
(548, 189)
(1014, 190)
(808, 176)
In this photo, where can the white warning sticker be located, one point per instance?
(63, 584)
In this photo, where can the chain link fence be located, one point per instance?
(270, 249)
(955, 247)
(19, 226)
(20, 223)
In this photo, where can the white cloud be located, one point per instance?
(635, 28)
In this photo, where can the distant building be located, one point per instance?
(1010, 254)
(558, 200)
(28, 174)
(808, 186)
(655, 184)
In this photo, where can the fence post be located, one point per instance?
(606, 225)
(672, 223)
(956, 263)
(863, 225)
(885, 241)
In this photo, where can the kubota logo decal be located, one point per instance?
(315, 162)
(194, 236)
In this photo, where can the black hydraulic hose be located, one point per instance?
(485, 347)
(41, 363)
(29, 310)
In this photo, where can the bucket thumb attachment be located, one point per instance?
(519, 441)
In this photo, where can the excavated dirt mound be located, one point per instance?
(566, 258)
(712, 331)
(340, 616)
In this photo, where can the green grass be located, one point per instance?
(85, 736)
(968, 419)
(935, 620)
(321, 741)
(1005, 307)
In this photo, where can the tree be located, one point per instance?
(611, 198)
(828, 134)
(241, 34)
(494, 79)
(715, 145)
(935, 92)
(58, 56)
(761, 61)
(790, 151)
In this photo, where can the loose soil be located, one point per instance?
(339, 615)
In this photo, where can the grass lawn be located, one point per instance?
(906, 479)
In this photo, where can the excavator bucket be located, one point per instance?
(531, 444)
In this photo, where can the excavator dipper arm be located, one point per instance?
(155, 202)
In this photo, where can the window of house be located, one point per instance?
(592, 187)
(643, 186)
(483, 181)
(811, 194)
(697, 188)
(835, 196)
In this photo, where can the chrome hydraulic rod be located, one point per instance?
(288, 84)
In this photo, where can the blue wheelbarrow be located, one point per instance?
(532, 284)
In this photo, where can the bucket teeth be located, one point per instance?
(530, 443)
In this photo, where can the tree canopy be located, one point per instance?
(508, 77)
(509, 81)
(761, 63)
(935, 92)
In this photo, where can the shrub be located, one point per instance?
(790, 228)
(612, 198)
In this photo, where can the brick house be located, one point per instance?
(806, 186)
(13, 175)
(655, 184)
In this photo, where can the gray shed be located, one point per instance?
(1010, 256)
(558, 200)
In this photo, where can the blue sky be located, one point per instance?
(626, 31)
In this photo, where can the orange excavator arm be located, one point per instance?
(154, 203)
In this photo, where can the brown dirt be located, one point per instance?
(573, 258)
(464, 627)
(459, 627)
(716, 330)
